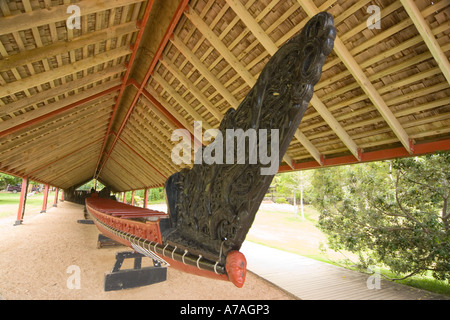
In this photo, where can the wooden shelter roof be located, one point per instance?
(102, 100)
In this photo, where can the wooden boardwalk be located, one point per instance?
(308, 279)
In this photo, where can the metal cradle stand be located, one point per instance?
(104, 241)
(133, 278)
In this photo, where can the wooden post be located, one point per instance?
(22, 201)
(55, 202)
(132, 198)
(146, 198)
(125, 197)
(44, 202)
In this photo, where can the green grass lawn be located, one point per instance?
(9, 203)
(279, 227)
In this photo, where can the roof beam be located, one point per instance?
(145, 147)
(253, 25)
(62, 89)
(289, 161)
(63, 157)
(168, 114)
(146, 130)
(142, 158)
(192, 88)
(272, 48)
(74, 170)
(38, 139)
(308, 145)
(419, 149)
(34, 133)
(183, 103)
(49, 172)
(220, 47)
(150, 117)
(428, 37)
(372, 93)
(153, 109)
(129, 173)
(55, 14)
(61, 47)
(198, 22)
(41, 152)
(44, 113)
(335, 126)
(129, 64)
(161, 104)
(117, 178)
(360, 77)
(142, 85)
(178, 43)
(48, 76)
(136, 165)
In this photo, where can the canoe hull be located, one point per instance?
(112, 219)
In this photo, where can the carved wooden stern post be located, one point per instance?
(212, 206)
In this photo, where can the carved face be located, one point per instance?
(236, 266)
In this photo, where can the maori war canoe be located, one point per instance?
(211, 207)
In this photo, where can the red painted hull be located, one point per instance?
(115, 219)
(114, 214)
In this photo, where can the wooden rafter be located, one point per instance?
(59, 48)
(58, 107)
(365, 84)
(62, 89)
(178, 43)
(63, 71)
(428, 37)
(271, 47)
(174, 94)
(380, 88)
(219, 46)
(192, 88)
(228, 56)
(52, 15)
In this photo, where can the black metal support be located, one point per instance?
(85, 221)
(104, 241)
(132, 278)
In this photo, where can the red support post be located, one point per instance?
(146, 198)
(55, 202)
(125, 197)
(22, 201)
(132, 198)
(44, 202)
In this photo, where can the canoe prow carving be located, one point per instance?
(212, 206)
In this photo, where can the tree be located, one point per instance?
(294, 183)
(6, 179)
(394, 213)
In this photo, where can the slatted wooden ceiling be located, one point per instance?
(103, 100)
